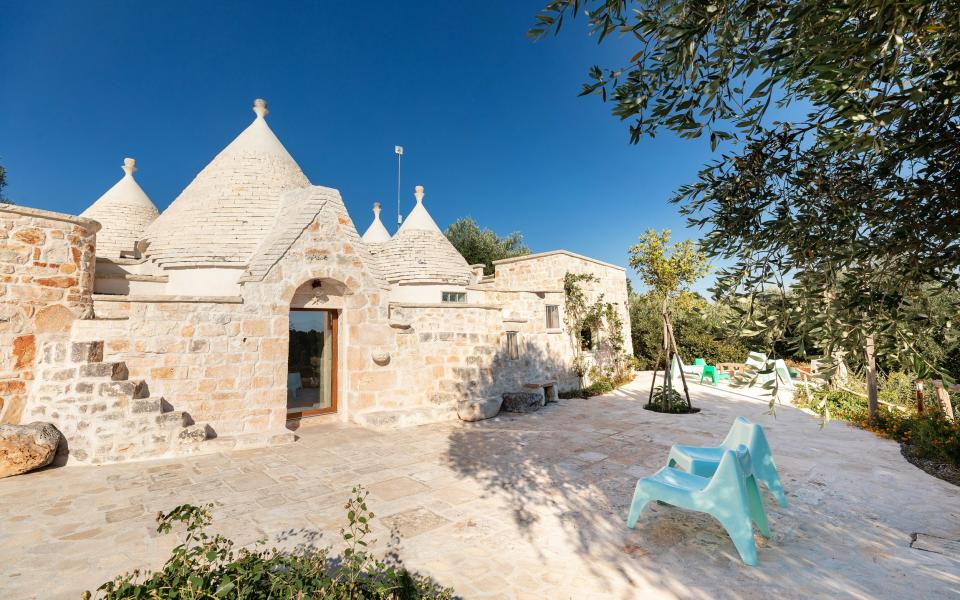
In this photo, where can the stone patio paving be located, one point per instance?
(531, 506)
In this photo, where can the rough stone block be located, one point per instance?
(27, 447)
(522, 402)
(86, 352)
(477, 410)
(127, 389)
(116, 371)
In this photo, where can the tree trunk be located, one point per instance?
(653, 381)
(944, 398)
(667, 401)
(683, 377)
(871, 361)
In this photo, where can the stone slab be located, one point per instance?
(522, 402)
(478, 410)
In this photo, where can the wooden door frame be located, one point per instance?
(334, 362)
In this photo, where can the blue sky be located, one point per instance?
(490, 121)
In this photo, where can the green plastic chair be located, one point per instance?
(710, 372)
(704, 461)
(730, 496)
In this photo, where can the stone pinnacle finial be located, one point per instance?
(419, 194)
(376, 210)
(129, 166)
(260, 107)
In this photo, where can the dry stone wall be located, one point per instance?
(544, 274)
(47, 266)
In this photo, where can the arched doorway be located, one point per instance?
(314, 347)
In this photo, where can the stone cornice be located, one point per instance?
(89, 224)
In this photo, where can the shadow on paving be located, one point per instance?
(568, 473)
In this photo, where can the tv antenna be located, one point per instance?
(399, 151)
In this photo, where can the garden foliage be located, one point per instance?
(208, 566)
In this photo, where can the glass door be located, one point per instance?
(312, 363)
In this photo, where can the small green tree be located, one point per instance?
(3, 183)
(483, 245)
(668, 270)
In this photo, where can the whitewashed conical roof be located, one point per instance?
(376, 233)
(231, 205)
(125, 211)
(420, 253)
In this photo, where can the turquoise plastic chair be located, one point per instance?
(731, 496)
(703, 461)
(759, 369)
(710, 372)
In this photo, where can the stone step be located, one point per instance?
(134, 390)
(153, 444)
(115, 371)
(86, 352)
(240, 441)
(156, 423)
(151, 404)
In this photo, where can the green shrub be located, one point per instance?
(897, 388)
(206, 566)
(929, 435)
(673, 402)
(703, 344)
(933, 437)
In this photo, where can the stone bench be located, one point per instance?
(548, 386)
(522, 402)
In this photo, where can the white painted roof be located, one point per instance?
(231, 205)
(376, 233)
(420, 253)
(419, 218)
(124, 211)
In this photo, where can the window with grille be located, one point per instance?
(553, 316)
(454, 296)
(513, 345)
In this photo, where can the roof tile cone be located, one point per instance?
(420, 253)
(125, 211)
(376, 233)
(231, 205)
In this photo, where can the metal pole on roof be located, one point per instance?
(399, 151)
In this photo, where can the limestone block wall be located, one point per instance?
(104, 415)
(216, 358)
(464, 350)
(224, 360)
(545, 273)
(47, 266)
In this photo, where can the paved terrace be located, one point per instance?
(519, 507)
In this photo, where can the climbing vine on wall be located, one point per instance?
(601, 320)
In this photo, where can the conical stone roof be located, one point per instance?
(376, 233)
(420, 253)
(124, 211)
(231, 205)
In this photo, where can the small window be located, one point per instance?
(553, 316)
(586, 339)
(513, 346)
(454, 296)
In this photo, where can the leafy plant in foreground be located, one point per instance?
(208, 566)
